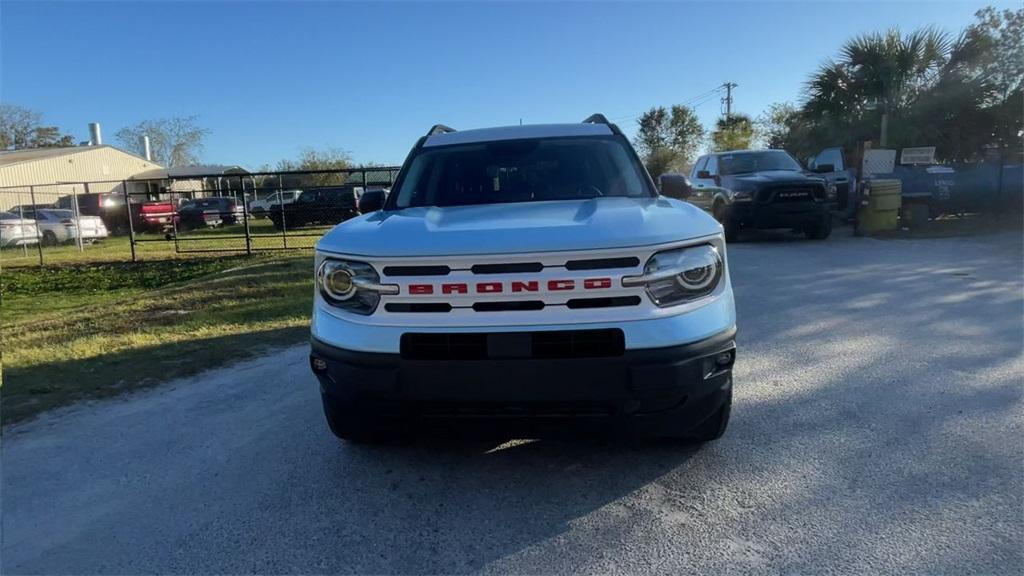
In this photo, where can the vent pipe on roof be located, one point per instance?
(147, 153)
(95, 135)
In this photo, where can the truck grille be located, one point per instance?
(790, 194)
(511, 286)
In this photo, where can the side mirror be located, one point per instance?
(675, 186)
(704, 175)
(824, 168)
(371, 203)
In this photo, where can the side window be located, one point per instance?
(712, 165)
(701, 162)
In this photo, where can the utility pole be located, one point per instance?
(728, 98)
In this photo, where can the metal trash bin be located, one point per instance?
(879, 208)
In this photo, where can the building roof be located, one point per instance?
(518, 132)
(189, 172)
(9, 157)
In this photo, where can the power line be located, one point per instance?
(693, 101)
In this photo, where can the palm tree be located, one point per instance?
(878, 71)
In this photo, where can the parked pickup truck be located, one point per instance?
(759, 189)
(529, 275)
(327, 205)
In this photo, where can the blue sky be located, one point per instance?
(271, 78)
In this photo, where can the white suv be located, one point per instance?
(525, 275)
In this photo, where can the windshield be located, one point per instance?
(521, 171)
(745, 162)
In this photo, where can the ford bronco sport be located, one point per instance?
(526, 274)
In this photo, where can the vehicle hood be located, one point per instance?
(613, 222)
(775, 177)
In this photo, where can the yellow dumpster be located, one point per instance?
(879, 209)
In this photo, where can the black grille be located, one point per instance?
(506, 268)
(602, 263)
(481, 346)
(416, 270)
(613, 302)
(790, 194)
(514, 305)
(418, 307)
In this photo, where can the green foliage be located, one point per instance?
(962, 95)
(733, 133)
(776, 125)
(667, 139)
(313, 159)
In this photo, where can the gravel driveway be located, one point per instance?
(877, 428)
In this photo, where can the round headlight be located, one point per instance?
(338, 284)
(697, 278)
(683, 275)
(336, 281)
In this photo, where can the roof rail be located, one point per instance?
(596, 119)
(439, 129)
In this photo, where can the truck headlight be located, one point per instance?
(351, 286)
(742, 196)
(830, 191)
(679, 276)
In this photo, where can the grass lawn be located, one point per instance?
(94, 330)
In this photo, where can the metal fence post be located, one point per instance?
(128, 212)
(280, 204)
(78, 217)
(39, 240)
(245, 218)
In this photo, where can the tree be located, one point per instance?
(777, 125)
(668, 139)
(22, 127)
(733, 133)
(311, 159)
(175, 141)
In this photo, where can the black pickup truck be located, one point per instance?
(325, 205)
(761, 189)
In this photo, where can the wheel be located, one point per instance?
(821, 231)
(348, 420)
(276, 220)
(732, 230)
(49, 238)
(714, 427)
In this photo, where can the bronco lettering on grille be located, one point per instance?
(514, 286)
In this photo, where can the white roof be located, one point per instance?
(517, 132)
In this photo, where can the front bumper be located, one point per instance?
(782, 215)
(658, 391)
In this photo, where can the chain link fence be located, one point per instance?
(68, 222)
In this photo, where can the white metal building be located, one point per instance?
(54, 172)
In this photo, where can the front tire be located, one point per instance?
(730, 227)
(49, 238)
(821, 231)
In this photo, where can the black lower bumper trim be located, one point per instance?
(670, 387)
